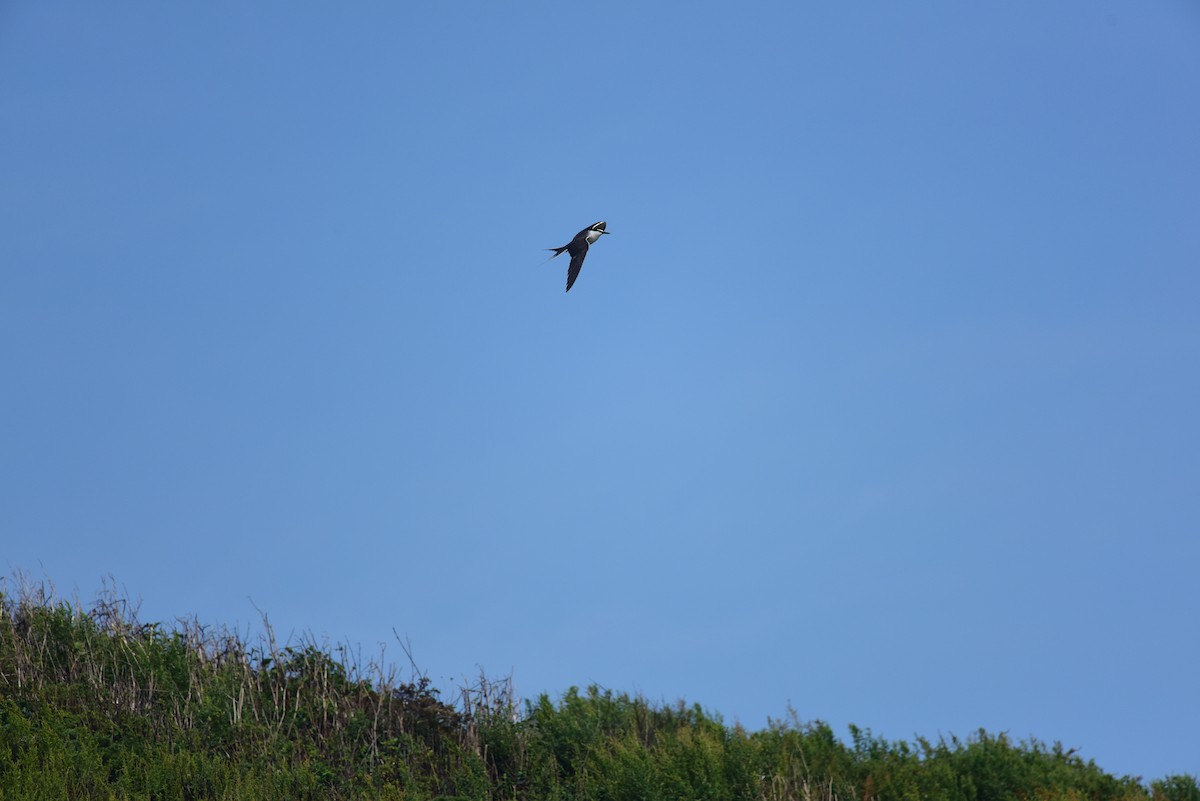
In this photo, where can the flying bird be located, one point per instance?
(578, 248)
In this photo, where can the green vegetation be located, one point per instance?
(94, 704)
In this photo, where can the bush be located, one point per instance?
(95, 704)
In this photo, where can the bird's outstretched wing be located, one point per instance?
(578, 249)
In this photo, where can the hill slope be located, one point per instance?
(95, 704)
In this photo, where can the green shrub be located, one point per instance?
(94, 704)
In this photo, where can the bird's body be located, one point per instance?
(578, 248)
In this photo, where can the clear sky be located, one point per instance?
(881, 400)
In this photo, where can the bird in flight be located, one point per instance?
(578, 248)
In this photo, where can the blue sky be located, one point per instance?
(879, 401)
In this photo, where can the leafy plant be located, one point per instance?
(95, 704)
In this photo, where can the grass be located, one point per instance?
(96, 704)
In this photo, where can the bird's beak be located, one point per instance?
(606, 232)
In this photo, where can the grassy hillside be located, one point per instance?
(95, 704)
